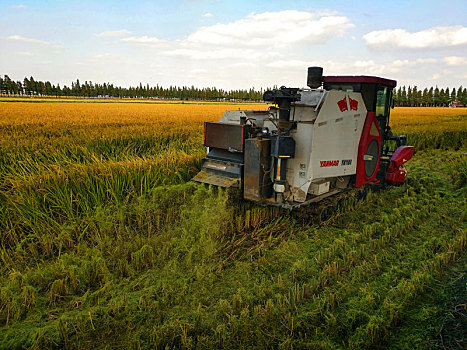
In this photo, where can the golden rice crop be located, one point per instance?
(413, 119)
(431, 127)
(40, 124)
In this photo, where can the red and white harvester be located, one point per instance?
(313, 143)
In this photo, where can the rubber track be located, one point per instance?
(322, 212)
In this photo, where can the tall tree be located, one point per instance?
(424, 99)
(459, 93)
(453, 98)
(436, 99)
(463, 99)
(431, 101)
(403, 97)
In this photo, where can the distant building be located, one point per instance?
(456, 105)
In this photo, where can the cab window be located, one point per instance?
(382, 101)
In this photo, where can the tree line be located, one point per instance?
(32, 87)
(405, 97)
(432, 97)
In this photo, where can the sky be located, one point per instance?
(235, 44)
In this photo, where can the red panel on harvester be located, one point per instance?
(368, 151)
(396, 173)
(402, 155)
(396, 177)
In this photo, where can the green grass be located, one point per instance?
(155, 271)
(437, 321)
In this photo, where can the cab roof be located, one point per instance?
(359, 79)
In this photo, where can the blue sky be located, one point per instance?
(233, 44)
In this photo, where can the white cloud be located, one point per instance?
(364, 64)
(427, 60)
(28, 40)
(218, 54)
(289, 64)
(208, 14)
(24, 53)
(243, 65)
(394, 67)
(113, 34)
(434, 37)
(356, 67)
(248, 37)
(102, 59)
(104, 55)
(19, 6)
(144, 40)
(455, 61)
(406, 63)
(276, 29)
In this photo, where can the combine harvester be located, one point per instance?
(313, 143)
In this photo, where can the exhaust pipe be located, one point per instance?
(315, 77)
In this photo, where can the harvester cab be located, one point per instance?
(312, 143)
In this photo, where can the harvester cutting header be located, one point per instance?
(313, 143)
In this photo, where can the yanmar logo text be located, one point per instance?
(343, 104)
(325, 163)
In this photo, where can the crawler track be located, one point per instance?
(319, 213)
(323, 211)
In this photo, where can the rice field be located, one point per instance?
(431, 127)
(104, 242)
